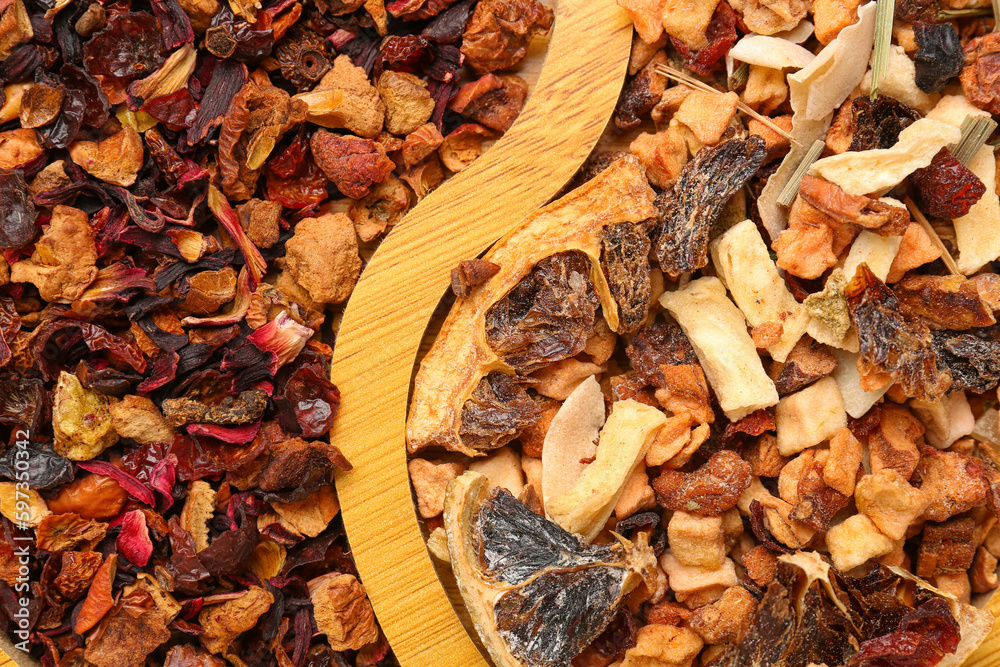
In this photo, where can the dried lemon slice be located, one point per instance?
(537, 595)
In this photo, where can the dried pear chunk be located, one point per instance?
(718, 332)
(625, 439)
(461, 355)
(536, 595)
(547, 317)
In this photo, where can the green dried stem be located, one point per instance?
(884, 11)
(740, 76)
(975, 131)
(791, 189)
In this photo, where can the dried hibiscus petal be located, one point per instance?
(691, 208)
(133, 541)
(314, 399)
(947, 188)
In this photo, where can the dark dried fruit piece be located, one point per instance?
(946, 547)
(641, 94)
(939, 56)
(981, 75)
(625, 262)
(692, 207)
(657, 344)
(877, 123)
(892, 343)
(17, 212)
(128, 47)
(471, 272)
(947, 188)
(547, 317)
(496, 412)
(807, 362)
(974, 363)
(710, 490)
(537, 595)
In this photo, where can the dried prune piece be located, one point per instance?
(45, 469)
(657, 344)
(547, 316)
(22, 401)
(939, 56)
(710, 490)
(891, 342)
(974, 363)
(692, 207)
(537, 595)
(17, 212)
(947, 188)
(877, 123)
(721, 35)
(128, 47)
(496, 412)
(625, 262)
(981, 75)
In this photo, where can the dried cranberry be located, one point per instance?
(947, 188)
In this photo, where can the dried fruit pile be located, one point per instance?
(760, 345)
(187, 188)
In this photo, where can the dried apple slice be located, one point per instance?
(569, 233)
(586, 506)
(536, 595)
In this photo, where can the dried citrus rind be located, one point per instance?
(461, 355)
(536, 595)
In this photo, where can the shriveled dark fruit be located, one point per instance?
(657, 344)
(939, 56)
(496, 412)
(625, 261)
(891, 342)
(947, 188)
(877, 123)
(536, 595)
(973, 361)
(547, 316)
(692, 207)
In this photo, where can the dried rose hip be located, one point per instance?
(947, 188)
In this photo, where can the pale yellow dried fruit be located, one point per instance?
(81, 420)
(22, 507)
(624, 441)
(571, 439)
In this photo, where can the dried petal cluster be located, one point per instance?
(185, 186)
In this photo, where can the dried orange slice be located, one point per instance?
(536, 595)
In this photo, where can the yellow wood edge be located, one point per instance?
(402, 285)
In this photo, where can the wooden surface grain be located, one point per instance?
(399, 290)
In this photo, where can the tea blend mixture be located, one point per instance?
(732, 399)
(187, 190)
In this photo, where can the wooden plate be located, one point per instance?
(400, 288)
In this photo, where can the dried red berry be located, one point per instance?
(947, 188)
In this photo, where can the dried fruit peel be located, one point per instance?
(626, 566)
(571, 438)
(862, 172)
(773, 52)
(585, 508)
(460, 356)
(744, 264)
(717, 331)
(815, 91)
